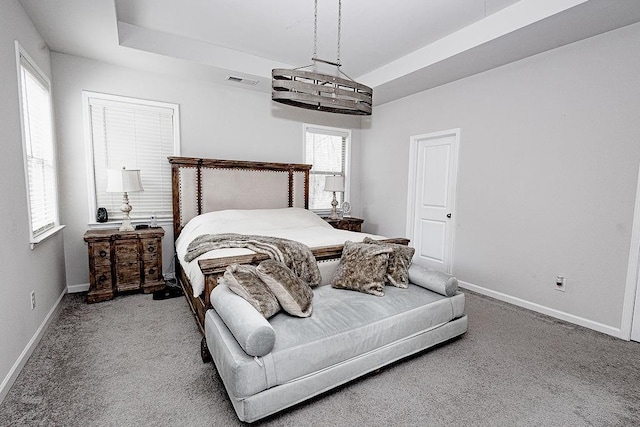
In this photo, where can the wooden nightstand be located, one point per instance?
(349, 223)
(124, 261)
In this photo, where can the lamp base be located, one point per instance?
(126, 225)
(126, 219)
(334, 206)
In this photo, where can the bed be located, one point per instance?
(221, 196)
(265, 365)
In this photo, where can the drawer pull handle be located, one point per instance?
(103, 254)
(102, 278)
(151, 248)
(152, 270)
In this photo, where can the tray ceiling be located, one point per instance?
(396, 47)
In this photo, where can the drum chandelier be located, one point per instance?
(313, 90)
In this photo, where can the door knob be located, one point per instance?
(449, 215)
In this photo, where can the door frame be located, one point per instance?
(414, 140)
(631, 303)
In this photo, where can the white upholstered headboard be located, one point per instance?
(205, 185)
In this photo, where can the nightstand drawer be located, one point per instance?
(152, 272)
(150, 248)
(126, 251)
(102, 274)
(127, 276)
(101, 252)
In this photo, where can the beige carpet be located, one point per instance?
(134, 361)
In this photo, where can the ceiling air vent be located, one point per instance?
(242, 80)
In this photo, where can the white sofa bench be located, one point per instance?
(271, 365)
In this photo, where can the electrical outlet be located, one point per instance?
(33, 300)
(561, 283)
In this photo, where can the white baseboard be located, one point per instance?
(28, 350)
(74, 289)
(606, 329)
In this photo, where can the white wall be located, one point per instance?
(548, 165)
(217, 121)
(22, 270)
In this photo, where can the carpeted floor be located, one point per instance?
(134, 361)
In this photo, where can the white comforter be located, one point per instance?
(288, 223)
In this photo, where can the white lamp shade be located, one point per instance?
(123, 180)
(334, 183)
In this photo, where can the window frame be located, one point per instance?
(330, 130)
(89, 144)
(24, 60)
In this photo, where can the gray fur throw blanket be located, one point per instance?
(295, 255)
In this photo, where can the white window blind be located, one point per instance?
(135, 134)
(39, 150)
(326, 150)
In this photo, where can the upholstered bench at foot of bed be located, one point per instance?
(348, 335)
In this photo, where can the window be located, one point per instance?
(327, 149)
(136, 134)
(39, 147)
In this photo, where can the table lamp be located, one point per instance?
(334, 183)
(124, 181)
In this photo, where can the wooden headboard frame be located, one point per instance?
(203, 185)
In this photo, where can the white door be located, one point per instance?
(432, 183)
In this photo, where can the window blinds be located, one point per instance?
(325, 149)
(39, 149)
(135, 136)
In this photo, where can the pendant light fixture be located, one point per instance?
(318, 91)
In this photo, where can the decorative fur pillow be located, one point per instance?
(362, 267)
(294, 295)
(244, 281)
(399, 262)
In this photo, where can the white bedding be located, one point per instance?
(288, 223)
